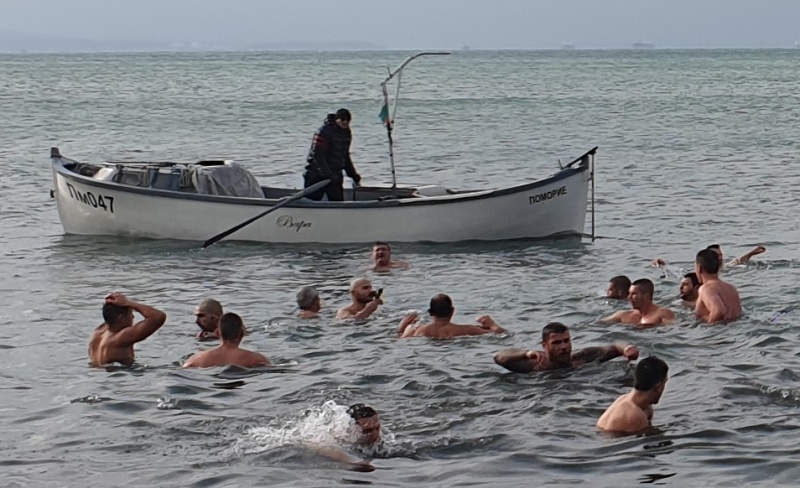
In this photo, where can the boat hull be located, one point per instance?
(553, 206)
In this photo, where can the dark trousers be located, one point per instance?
(334, 190)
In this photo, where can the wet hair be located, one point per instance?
(708, 261)
(693, 278)
(211, 306)
(361, 411)
(306, 297)
(230, 326)
(553, 328)
(441, 306)
(113, 313)
(344, 115)
(621, 284)
(649, 372)
(381, 243)
(714, 246)
(646, 286)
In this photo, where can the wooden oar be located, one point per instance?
(307, 191)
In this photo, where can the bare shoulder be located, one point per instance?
(344, 313)
(257, 359)
(196, 360)
(623, 417)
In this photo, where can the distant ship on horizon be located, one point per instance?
(643, 45)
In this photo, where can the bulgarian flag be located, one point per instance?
(384, 115)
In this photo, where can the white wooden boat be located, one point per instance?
(200, 201)
(158, 200)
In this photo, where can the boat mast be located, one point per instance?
(386, 115)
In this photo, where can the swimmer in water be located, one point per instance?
(632, 412)
(618, 287)
(743, 259)
(717, 301)
(231, 331)
(309, 303)
(364, 301)
(207, 315)
(644, 312)
(113, 340)
(367, 427)
(382, 258)
(689, 289)
(557, 353)
(442, 326)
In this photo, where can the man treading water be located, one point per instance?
(382, 258)
(309, 303)
(364, 300)
(557, 353)
(231, 331)
(113, 340)
(632, 412)
(689, 289)
(717, 301)
(442, 311)
(207, 316)
(618, 287)
(644, 312)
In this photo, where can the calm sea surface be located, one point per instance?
(695, 147)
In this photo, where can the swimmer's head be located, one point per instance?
(231, 327)
(650, 377)
(116, 316)
(441, 307)
(641, 293)
(717, 249)
(367, 422)
(381, 254)
(707, 262)
(689, 286)
(618, 287)
(308, 299)
(361, 290)
(556, 342)
(207, 314)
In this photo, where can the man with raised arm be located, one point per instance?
(644, 311)
(207, 315)
(364, 300)
(717, 301)
(382, 258)
(557, 353)
(632, 412)
(113, 340)
(442, 326)
(231, 331)
(743, 259)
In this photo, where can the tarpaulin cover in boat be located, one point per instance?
(229, 179)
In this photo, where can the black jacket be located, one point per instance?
(330, 152)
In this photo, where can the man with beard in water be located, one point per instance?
(329, 155)
(382, 258)
(557, 353)
(618, 287)
(632, 412)
(364, 301)
(689, 289)
(367, 436)
(644, 312)
(113, 340)
(207, 316)
(717, 301)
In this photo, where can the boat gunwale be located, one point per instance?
(568, 171)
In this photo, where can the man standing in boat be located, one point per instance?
(329, 155)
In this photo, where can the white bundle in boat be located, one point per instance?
(229, 179)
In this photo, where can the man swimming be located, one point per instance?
(442, 327)
(632, 412)
(618, 287)
(689, 288)
(364, 301)
(207, 315)
(743, 259)
(717, 301)
(382, 258)
(644, 312)
(231, 331)
(113, 340)
(309, 303)
(366, 430)
(557, 353)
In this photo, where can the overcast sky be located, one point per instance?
(415, 24)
